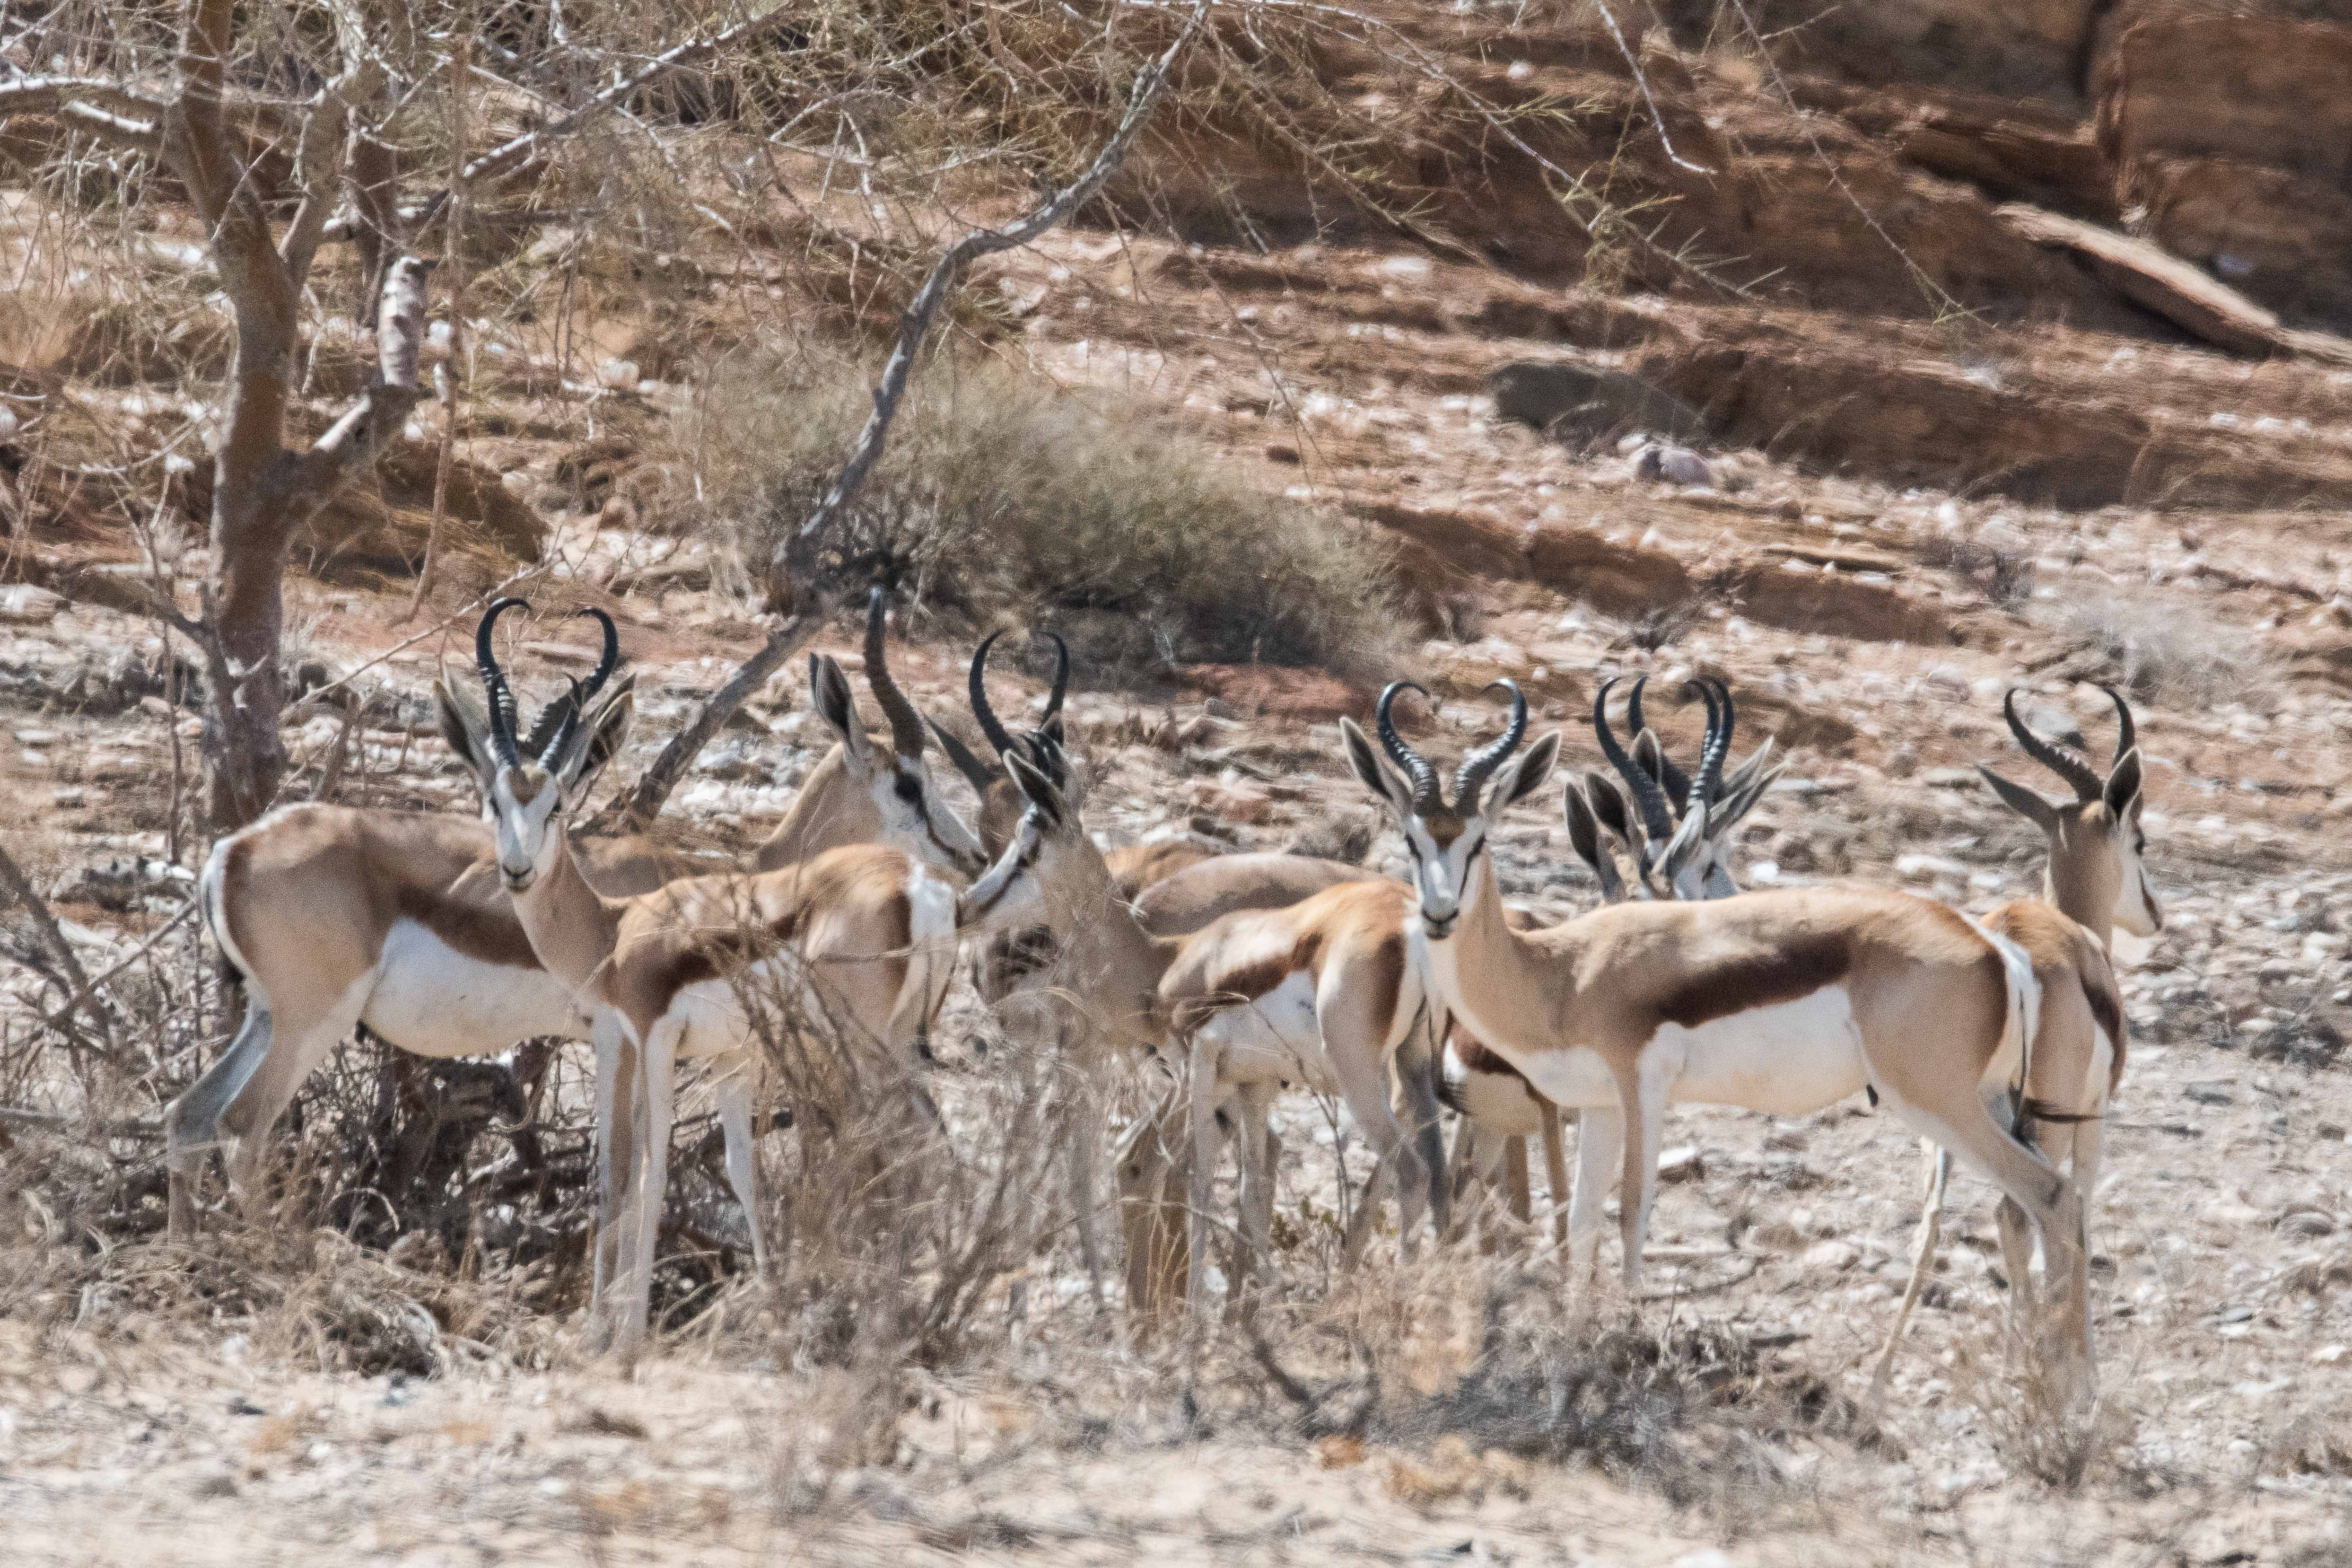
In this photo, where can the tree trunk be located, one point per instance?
(250, 537)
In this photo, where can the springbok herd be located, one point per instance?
(1997, 1039)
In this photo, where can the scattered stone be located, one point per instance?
(1835, 1255)
(1663, 463)
(29, 604)
(2236, 1314)
(1681, 1164)
(2305, 1221)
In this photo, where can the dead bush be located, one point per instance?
(1002, 494)
(2165, 655)
(1446, 1361)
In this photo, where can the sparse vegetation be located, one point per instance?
(2163, 651)
(1001, 493)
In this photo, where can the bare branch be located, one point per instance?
(18, 887)
(1657, 119)
(42, 94)
(87, 991)
(633, 810)
(351, 444)
(322, 138)
(106, 110)
(916, 325)
(131, 135)
(513, 154)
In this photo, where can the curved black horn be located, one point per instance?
(999, 739)
(2064, 760)
(494, 682)
(905, 724)
(1708, 787)
(2127, 733)
(574, 704)
(1060, 680)
(1658, 816)
(1480, 765)
(1416, 767)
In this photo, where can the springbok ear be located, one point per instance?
(1374, 773)
(2022, 801)
(838, 705)
(1748, 770)
(1524, 776)
(1686, 847)
(1739, 803)
(1608, 804)
(1035, 787)
(1650, 756)
(466, 729)
(597, 741)
(2122, 785)
(1584, 838)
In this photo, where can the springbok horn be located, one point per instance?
(2064, 760)
(1061, 681)
(1426, 797)
(575, 703)
(905, 724)
(999, 739)
(494, 683)
(2127, 733)
(1658, 816)
(979, 774)
(1706, 789)
(1480, 765)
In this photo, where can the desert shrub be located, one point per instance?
(2165, 654)
(1000, 493)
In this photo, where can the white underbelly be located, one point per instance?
(1574, 1079)
(1275, 1039)
(716, 1023)
(435, 1001)
(1789, 1061)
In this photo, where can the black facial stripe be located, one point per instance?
(1026, 860)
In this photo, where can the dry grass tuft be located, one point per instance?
(2165, 656)
(2035, 1423)
(1000, 494)
(1450, 1363)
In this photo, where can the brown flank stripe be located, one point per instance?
(1766, 980)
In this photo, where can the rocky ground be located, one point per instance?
(1871, 514)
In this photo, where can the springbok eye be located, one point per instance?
(909, 789)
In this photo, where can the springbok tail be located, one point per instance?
(2019, 1030)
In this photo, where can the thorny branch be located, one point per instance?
(517, 152)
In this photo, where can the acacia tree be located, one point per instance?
(262, 491)
(265, 215)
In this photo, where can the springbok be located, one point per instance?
(1318, 993)
(1500, 1110)
(2094, 883)
(1011, 959)
(863, 935)
(1147, 895)
(335, 917)
(1781, 1002)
